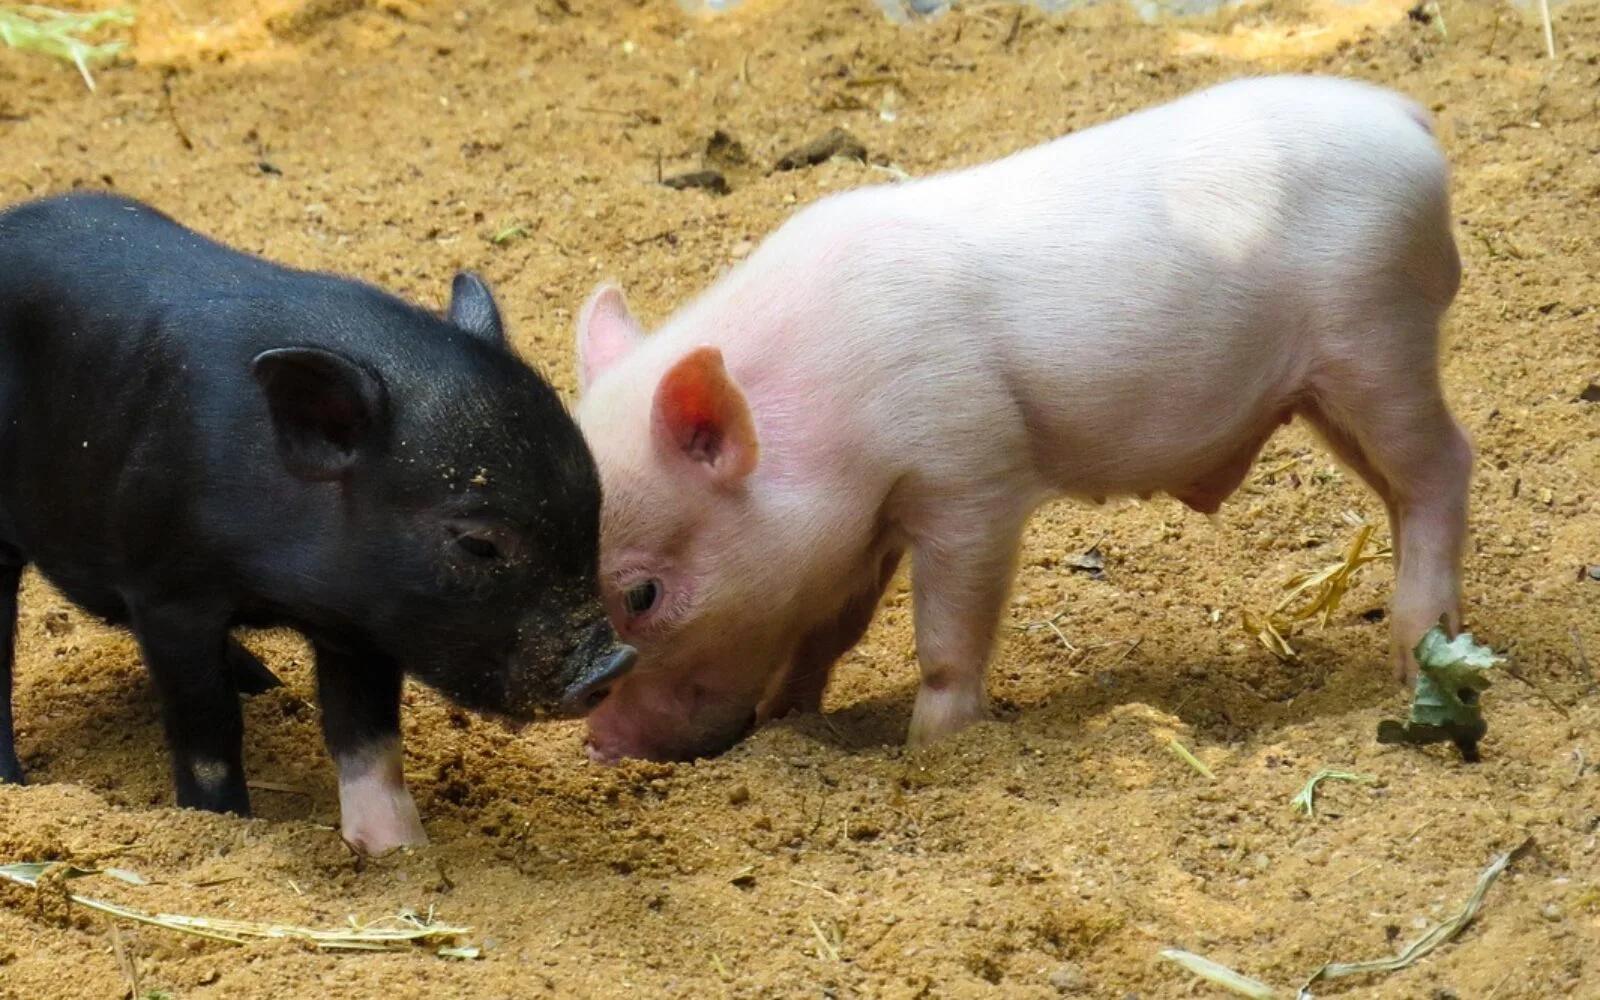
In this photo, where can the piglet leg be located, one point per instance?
(184, 646)
(360, 697)
(963, 561)
(802, 688)
(1391, 425)
(10, 579)
(376, 812)
(250, 675)
(1430, 472)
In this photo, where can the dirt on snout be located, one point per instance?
(1052, 852)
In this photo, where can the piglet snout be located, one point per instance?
(594, 682)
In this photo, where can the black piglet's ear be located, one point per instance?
(327, 411)
(473, 309)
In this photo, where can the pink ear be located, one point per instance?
(701, 414)
(606, 333)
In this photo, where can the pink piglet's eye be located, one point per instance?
(642, 597)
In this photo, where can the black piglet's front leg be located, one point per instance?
(360, 695)
(185, 650)
(10, 579)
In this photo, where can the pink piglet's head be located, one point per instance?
(686, 575)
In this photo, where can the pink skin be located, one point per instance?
(378, 812)
(917, 367)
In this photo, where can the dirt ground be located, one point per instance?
(1052, 852)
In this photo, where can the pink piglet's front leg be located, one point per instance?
(962, 567)
(812, 667)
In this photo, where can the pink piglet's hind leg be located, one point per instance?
(1388, 420)
(1432, 500)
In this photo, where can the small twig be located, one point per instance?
(818, 888)
(1549, 34)
(1126, 652)
(1496, 991)
(1277, 470)
(1049, 623)
(384, 934)
(212, 883)
(276, 786)
(822, 939)
(822, 809)
(355, 852)
(1438, 18)
(1190, 759)
(1583, 658)
(979, 15)
(172, 113)
(1355, 874)
(1413, 834)
(873, 80)
(1541, 692)
(1505, 249)
(1016, 28)
(1538, 104)
(125, 962)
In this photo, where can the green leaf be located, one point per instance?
(1221, 975)
(1438, 934)
(132, 878)
(1305, 801)
(29, 872)
(54, 33)
(1452, 677)
(25, 872)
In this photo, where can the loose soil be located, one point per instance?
(1054, 851)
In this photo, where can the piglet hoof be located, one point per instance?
(377, 835)
(943, 712)
(1404, 668)
(376, 811)
(1403, 663)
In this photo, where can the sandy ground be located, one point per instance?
(1054, 851)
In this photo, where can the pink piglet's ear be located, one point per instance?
(700, 413)
(607, 332)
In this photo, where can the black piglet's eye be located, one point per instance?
(480, 548)
(642, 597)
